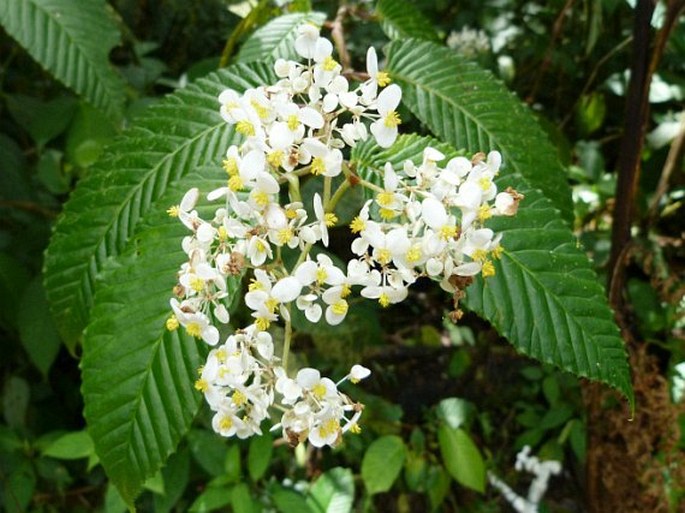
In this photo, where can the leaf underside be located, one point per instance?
(72, 41)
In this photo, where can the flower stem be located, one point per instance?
(286, 340)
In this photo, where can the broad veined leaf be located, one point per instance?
(72, 41)
(276, 38)
(401, 19)
(461, 457)
(138, 377)
(382, 463)
(544, 298)
(173, 138)
(332, 492)
(468, 108)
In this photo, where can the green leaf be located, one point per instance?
(545, 298)
(455, 412)
(209, 450)
(462, 458)
(211, 500)
(71, 446)
(332, 492)
(276, 38)
(114, 503)
(401, 19)
(13, 280)
(468, 108)
(42, 120)
(241, 500)
(137, 424)
(289, 501)
(176, 136)
(176, 474)
(72, 41)
(15, 400)
(259, 455)
(382, 463)
(36, 329)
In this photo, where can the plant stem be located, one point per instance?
(286, 339)
(339, 193)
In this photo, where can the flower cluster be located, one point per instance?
(424, 220)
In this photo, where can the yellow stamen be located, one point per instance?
(275, 158)
(245, 128)
(384, 300)
(201, 385)
(382, 78)
(197, 284)
(392, 119)
(223, 234)
(285, 235)
(497, 252)
(385, 198)
(261, 110)
(238, 398)
(328, 428)
(225, 423)
(485, 183)
(290, 213)
(357, 225)
(321, 275)
(329, 63)
(194, 329)
(173, 211)
(414, 254)
(387, 213)
(488, 269)
(448, 231)
(355, 429)
(318, 166)
(293, 122)
(330, 219)
(339, 307)
(484, 212)
(271, 304)
(479, 255)
(319, 391)
(261, 198)
(346, 290)
(172, 323)
(230, 166)
(262, 324)
(220, 355)
(259, 246)
(255, 285)
(384, 256)
(235, 183)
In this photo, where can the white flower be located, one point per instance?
(376, 78)
(337, 306)
(196, 323)
(310, 46)
(358, 372)
(385, 128)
